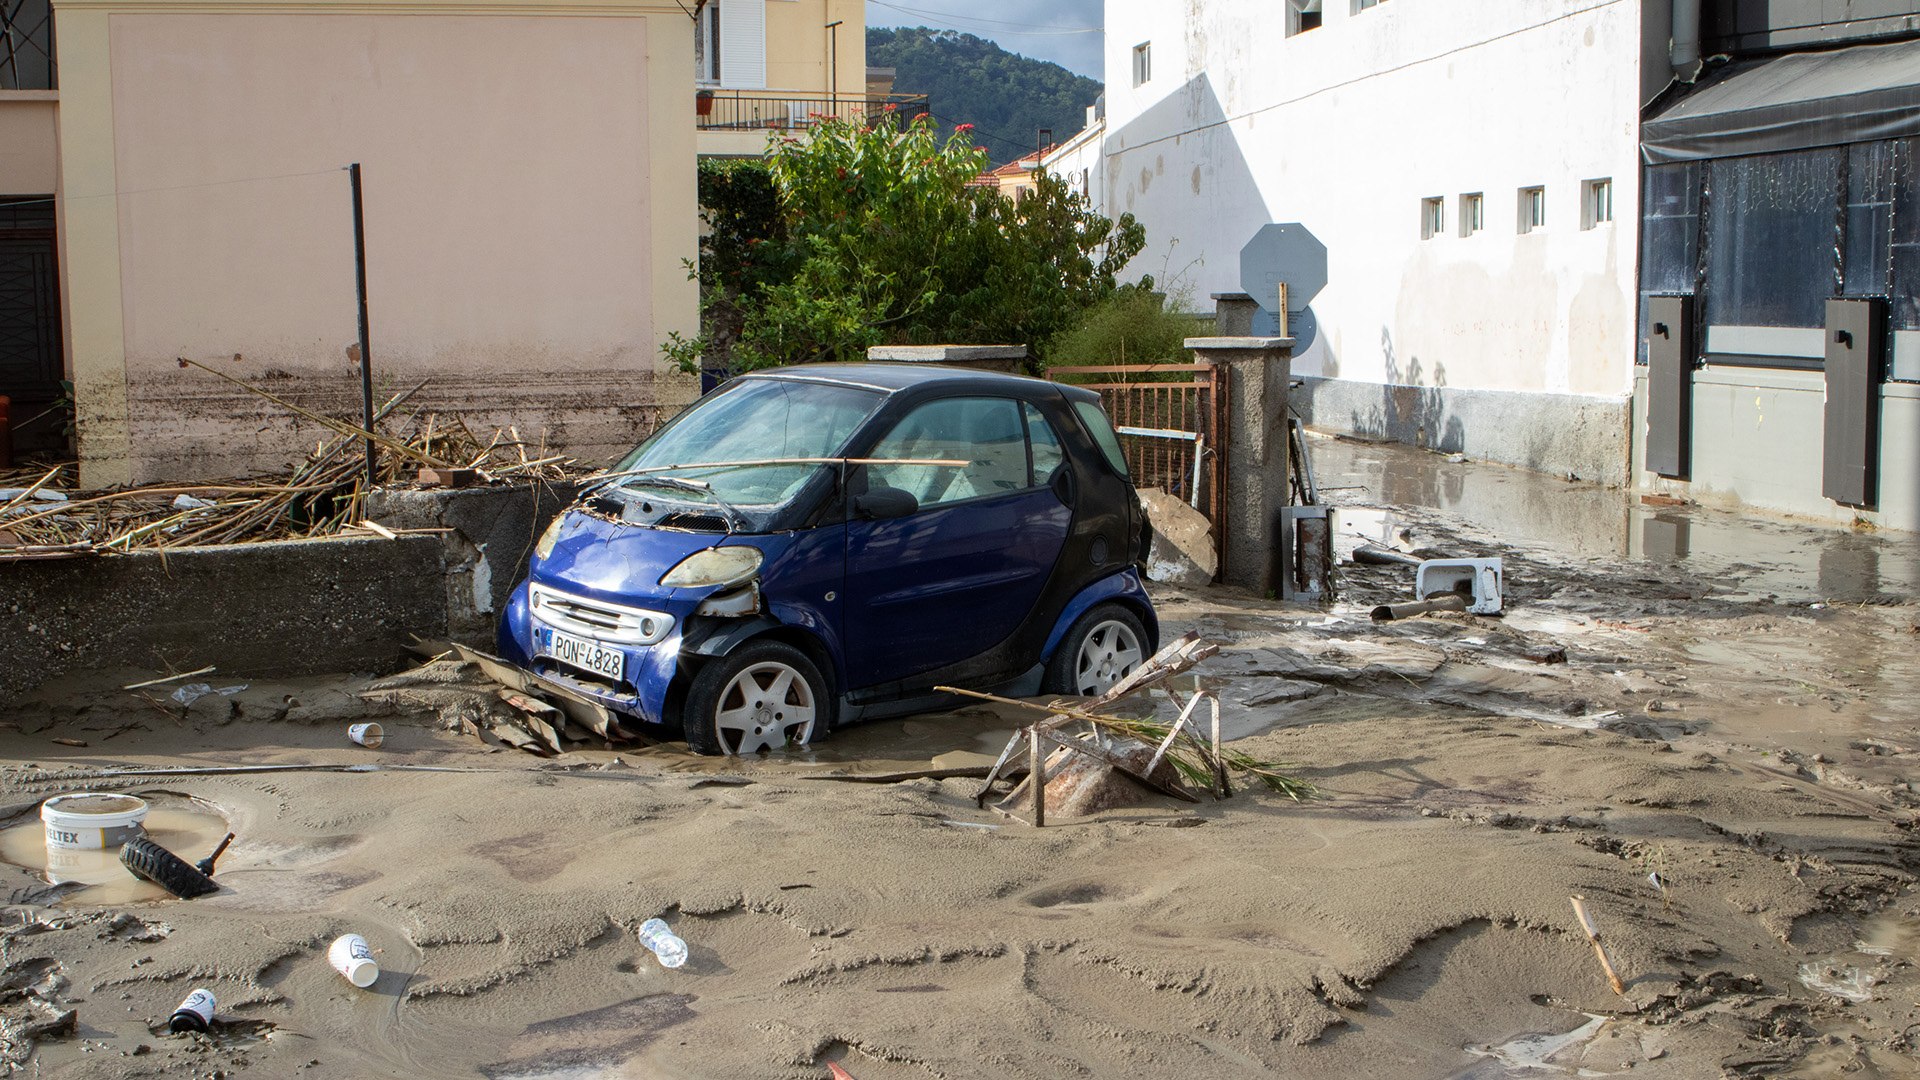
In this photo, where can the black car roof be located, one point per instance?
(890, 378)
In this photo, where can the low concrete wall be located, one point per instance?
(297, 607)
(293, 607)
(486, 554)
(1559, 434)
(1758, 437)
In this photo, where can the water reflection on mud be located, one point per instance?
(1533, 511)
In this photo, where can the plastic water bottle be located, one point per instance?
(671, 951)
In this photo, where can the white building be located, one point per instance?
(1493, 280)
(1081, 161)
(1460, 172)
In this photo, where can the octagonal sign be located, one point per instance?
(1288, 253)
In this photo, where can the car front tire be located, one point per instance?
(1101, 647)
(765, 695)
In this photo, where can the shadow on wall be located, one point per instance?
(1202, 211)
(1412, 407)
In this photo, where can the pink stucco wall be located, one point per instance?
(506, 167)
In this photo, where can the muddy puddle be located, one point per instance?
(1751, 557)
(1530, 1055)
(187, 827)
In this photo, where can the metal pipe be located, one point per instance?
(1684, 51)
(1390, 612)
(833, 66)
(1379, 556)
(360, 284)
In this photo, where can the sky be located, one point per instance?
(1053, 30)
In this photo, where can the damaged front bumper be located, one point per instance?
(541, 623)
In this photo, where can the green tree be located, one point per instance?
(880, 239)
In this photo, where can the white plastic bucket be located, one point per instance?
(92, 821)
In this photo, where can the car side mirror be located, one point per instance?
(882, 503)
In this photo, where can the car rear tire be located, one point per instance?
(765, 695)
(1101, 647)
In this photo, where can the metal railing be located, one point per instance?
(728, 110)
(1172, 421)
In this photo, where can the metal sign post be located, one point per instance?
(360, 284)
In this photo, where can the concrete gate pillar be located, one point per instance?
(1258, 370)
(1233, 314)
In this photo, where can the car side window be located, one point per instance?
(1102, 431)
(985, 433)
(1047, 454)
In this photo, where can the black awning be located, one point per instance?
(1862, 94)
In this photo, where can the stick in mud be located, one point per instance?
(1593, 935)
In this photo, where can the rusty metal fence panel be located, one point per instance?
(1172, 420)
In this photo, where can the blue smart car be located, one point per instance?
(805, 547)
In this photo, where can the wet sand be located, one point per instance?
(1720, 721)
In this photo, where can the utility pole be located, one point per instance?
(833, 66)
(360, 282)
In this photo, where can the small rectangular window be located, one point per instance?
(1432, 217)
(1142, 62)
(1596, 203)
(1362, 5)
(1533, 209)
(1302, 16)
(1473, 213)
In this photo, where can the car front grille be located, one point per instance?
(598, 619)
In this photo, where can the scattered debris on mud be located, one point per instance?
(1718, 763)
(41, 516)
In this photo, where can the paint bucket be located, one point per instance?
(92, 821)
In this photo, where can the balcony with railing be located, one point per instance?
(773, 110)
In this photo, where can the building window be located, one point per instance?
(1432, 217)
(1669, 236)
(706, 45)
(1302, 16)
(1473, 213)
(1142, 62)
(1867, 239)
(1533, 208)
(1596, 203)
(1771, 260)
(1362, 5)
(26, 45)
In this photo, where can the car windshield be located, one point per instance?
(754, 420)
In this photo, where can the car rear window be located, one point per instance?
(1102, 431)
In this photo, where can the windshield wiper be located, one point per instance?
(734, 518)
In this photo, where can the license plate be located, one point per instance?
(585, 654)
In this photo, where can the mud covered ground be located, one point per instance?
(1736, 713)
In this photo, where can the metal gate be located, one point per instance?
(1172, 420)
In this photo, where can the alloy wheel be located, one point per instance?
(764, 707)
(1109, 653)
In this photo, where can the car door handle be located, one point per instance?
(1063, 486)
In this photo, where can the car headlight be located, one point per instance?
(544, 547)
(721, 566)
